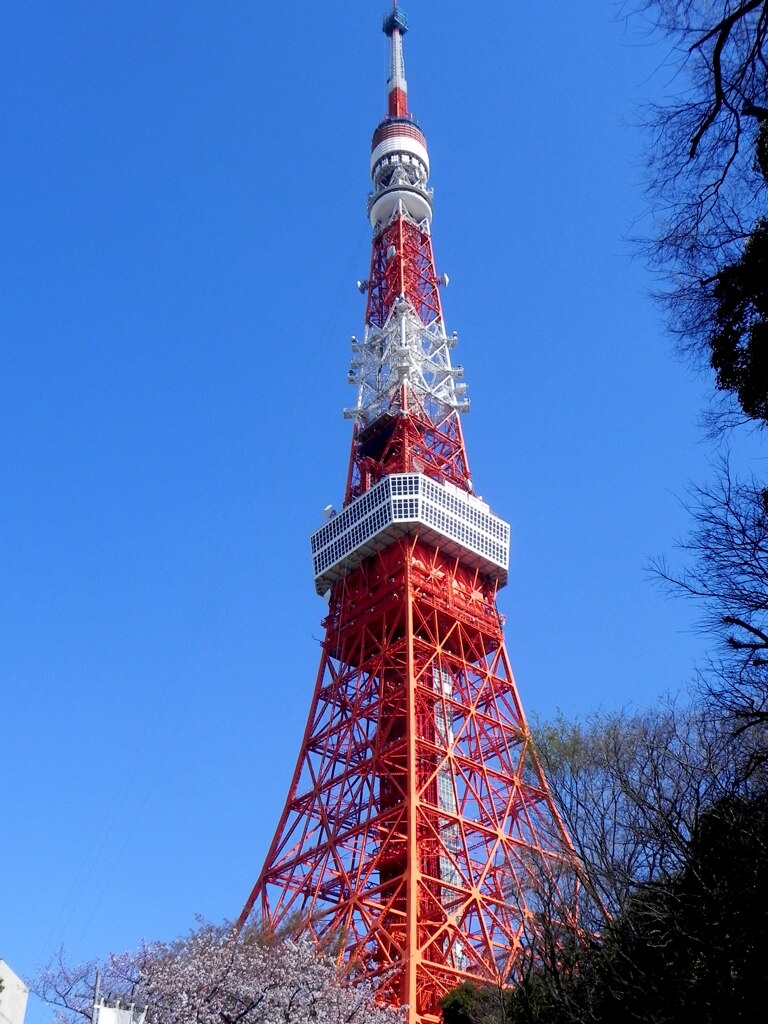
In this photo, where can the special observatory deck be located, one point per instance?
(410, 503)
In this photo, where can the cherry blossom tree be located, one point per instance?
(213, 977)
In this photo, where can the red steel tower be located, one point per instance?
(418, 831)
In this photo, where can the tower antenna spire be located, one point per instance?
(395, 26)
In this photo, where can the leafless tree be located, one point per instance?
(631, 788)
(726, 571)
(708, 151)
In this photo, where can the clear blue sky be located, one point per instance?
(183, 192)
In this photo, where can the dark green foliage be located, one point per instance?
(739, 340)
(718, 913)
(694, 952)
(475, 1004)
(691, 951)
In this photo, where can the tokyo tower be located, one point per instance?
(419, 837)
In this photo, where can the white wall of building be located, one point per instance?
(13, 997)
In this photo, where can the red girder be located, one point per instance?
(418, 825)
(408, 442)
(402, 264)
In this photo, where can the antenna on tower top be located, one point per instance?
(395, 26)
(395, 19)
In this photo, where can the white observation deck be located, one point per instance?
(459, 523)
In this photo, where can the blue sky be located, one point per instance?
(183, 221)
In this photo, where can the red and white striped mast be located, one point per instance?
(395, 26)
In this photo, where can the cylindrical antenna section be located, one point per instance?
(395, 26)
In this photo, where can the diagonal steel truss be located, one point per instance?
(419, 825)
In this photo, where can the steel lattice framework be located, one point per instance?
(419, 835)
